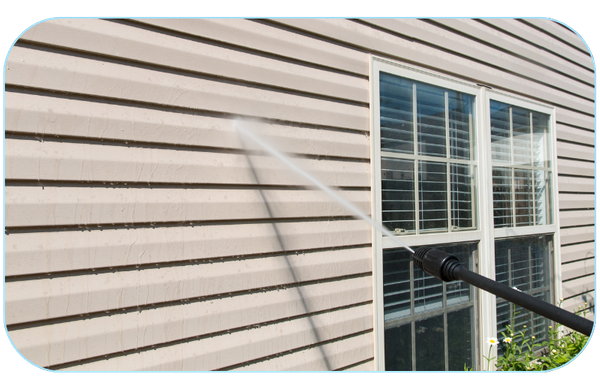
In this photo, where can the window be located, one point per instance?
(442, 149)
(426, 171)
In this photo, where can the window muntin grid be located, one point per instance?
(440, 165)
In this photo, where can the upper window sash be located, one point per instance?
(424, 142)
(522, 161)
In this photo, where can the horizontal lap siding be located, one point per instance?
(236, 348)
(103, 206)
(55, 117)
(127, 188)
(79, 75)
(110, 290)
(67, 161)
(140, 236)
(77, 340)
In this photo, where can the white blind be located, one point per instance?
(502, 188)
(433, 195)
(398, 193)
(523, 197)
(396, 114)
(431, 120)
(462, 195)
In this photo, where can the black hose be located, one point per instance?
(446, 267)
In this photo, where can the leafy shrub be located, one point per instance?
(522, 353)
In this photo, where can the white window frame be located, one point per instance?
(484, 233)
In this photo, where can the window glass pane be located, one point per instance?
(540, 123)
(523, 197)
(541, 196)
(540, 264)
(429, 344)
(460, 123)
(502, 259)
(524, 263)
(427, 293)
(398, 348)
(520, 255)
(461, 191)
(502, 187)
(442, 120)
(461, 338)
(500, 126)
(521, 136)
(398, 194)
(396, 113)
(521, 158)
(397, 264)
(433, 196)
(431, 120)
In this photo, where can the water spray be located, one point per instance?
(435, 262)
(247, 134)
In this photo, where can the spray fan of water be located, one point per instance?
(247, 134)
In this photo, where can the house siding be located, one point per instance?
(139, 236)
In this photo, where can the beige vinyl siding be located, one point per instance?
(58, 206)
(171, 322)
(141, 237)
(71, 161)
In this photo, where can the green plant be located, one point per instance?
(560, 350)
(520, 351)
(525, 354)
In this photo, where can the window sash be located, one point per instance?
(521, 165)
(442, 121)
(408, 291)
(428, 315)
(523, 262)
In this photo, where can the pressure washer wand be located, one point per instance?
(446, 267)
